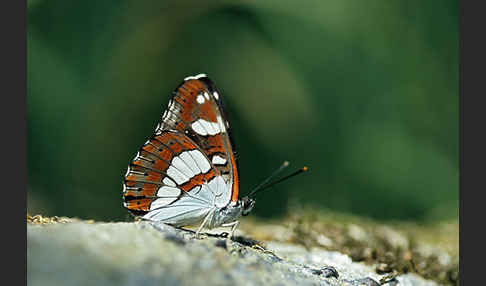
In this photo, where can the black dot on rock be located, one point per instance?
(220, 243)
(329, 271)
(176, 239)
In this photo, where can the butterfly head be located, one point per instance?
(247, 205)
(232, 212)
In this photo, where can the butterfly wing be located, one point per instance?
(188, 165)
(196, 110)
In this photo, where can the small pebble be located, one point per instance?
(383, 268)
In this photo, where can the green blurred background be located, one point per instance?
(365, 93)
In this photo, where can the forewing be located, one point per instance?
(196, 109)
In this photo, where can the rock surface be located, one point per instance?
(141, 253)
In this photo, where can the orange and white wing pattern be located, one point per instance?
(187, 168)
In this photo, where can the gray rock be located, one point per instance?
(80, 253)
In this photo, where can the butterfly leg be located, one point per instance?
(233, 226)
(205, 221)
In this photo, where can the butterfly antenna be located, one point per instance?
(284, 165)
(264, 186)
(299, 171)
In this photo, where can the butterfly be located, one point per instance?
(187, 173)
